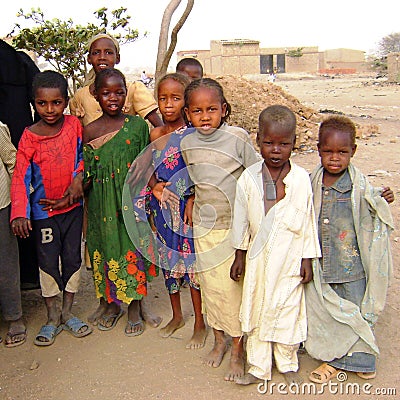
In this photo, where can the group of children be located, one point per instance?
(266, 251)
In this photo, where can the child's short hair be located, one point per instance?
(338, 123)
(189, 62)
(50, 80)
(209, 84)
(184, 80)
(107, 73)
(277, 114)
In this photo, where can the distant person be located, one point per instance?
(190, 67)
(17, 70)
(49, 159)
(10, 290)
(351, 280)
(275, 234)
(144, 78)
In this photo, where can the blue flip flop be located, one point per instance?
(112, 317)
(74, 324)
(48, 332)
(131, 325)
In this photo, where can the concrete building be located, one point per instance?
(244, 56)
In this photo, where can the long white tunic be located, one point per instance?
(273, 297)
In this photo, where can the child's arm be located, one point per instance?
(188, 213)
(306, 270)
(388, 194)
(154, 119)
(75, 189)
(21, 227)
(238, 266)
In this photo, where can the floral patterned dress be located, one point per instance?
(175, 238)
(122, 266)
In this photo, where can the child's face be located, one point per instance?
(50, 104)
(336, 150)
(276, 144)
(192, 71)
(205, 110)
(103, 54)
(171, 100)
(111, 95)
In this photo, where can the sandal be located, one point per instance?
(130, 325)
(11, 341)
(113, 318)
(74, 325)
(324, 373)
(49, 333)
(366, 375)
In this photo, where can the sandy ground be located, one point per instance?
(110, 365)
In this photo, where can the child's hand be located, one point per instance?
(306, 270)
(164, 196)
(21, 227)
(238, 266)
(188, 213)
(56, 204)
(388, 194)
(75, 190)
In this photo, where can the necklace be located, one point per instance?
(270, 186)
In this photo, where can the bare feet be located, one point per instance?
(198, 339)
(151, 319)
(292, 378)
(236, 364)
(247, 379)
(215, 356)
(100, 310)
(171, 327)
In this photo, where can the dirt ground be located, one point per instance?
(109, 365)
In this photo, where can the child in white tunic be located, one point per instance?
(275, 234)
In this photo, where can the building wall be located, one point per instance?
(243, 56)
(306, 63)
(235, 57)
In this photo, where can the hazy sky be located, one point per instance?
(354, 24)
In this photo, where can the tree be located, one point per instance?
(164, 51)
(295, 53)
(389, 44)
(63, 44)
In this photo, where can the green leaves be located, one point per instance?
(63, 44)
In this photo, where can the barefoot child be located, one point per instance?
(216, 154)
(175, 238)
(274, 232)
(10, 291)
(111, 144)
(351, 280)
(49, 160)
(103, 53)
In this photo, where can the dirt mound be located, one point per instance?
(249, 98)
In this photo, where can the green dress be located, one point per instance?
(121, 269)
